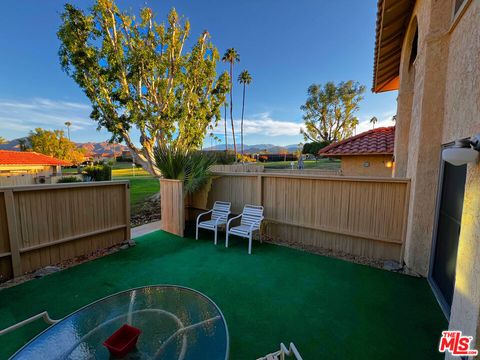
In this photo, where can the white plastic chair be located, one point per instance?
(251, 218)
(220, 212)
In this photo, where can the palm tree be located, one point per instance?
(244, 78)
(68, 124)
(2, 140)
(226, 140)
(231, 56)
(355, 123)
(373, 121)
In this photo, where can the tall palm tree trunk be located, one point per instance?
(231, 111)
(243, 110)
(226, 140)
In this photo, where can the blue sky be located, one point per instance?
(285, 45)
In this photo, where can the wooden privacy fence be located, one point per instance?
(359, 216)
(42, 225)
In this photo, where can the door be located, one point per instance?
(449, 218)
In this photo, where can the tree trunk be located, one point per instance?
(241, 126)
(226, 140)
(231, 111)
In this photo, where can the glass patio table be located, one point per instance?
(176, 323)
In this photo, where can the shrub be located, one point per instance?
(181, 164)
(224, 158)
(68, 179)
(98, 172)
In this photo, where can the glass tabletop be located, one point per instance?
(176, 323)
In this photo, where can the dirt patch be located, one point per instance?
(148, 211)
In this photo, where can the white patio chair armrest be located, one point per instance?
(229, 221)
(221, 218)
(255, 224)
(204, 213)
(43, 315)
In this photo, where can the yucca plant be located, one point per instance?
(191, 167)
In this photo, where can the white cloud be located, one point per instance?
(23, 116)
(263, 124)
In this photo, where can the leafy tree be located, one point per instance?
(231, 56)
(373, 121)
(137, 74)
(54, 143)
(314, 147)
(3, 140)
(244, 78)
(329, 112)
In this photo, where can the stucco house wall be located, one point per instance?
(439, 102)
(356, 165)
(462, 119)
(44, 170)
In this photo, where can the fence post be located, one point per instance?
(127, 211)
(13, 235)
(260, 189)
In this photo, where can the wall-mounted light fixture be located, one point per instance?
(463, 152)
(389, 163)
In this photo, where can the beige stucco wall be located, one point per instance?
(439, 102)
(44, 170)
(355, 165)
(462, 119)
(419, 125)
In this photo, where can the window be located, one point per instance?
(414, 51)
(458, 6)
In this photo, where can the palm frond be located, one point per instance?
(180, 164)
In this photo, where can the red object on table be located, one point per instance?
(123, 340)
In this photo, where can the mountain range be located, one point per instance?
(99, 148)
(91, 148)
(257, 148)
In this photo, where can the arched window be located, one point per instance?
(458, 5)
(414, 46)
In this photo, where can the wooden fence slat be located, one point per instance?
(13, 234)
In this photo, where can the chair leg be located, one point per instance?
(196, 233)
(250, 244)
(226, 240)
(215, 241)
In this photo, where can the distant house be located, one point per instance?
(29, 165)
(367, 154)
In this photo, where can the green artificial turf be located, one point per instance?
(331, 309)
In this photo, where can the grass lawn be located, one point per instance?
(142, 185)
(331, 309)
(309, 164)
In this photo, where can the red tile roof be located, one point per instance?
(379, 141)
(28, 158)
